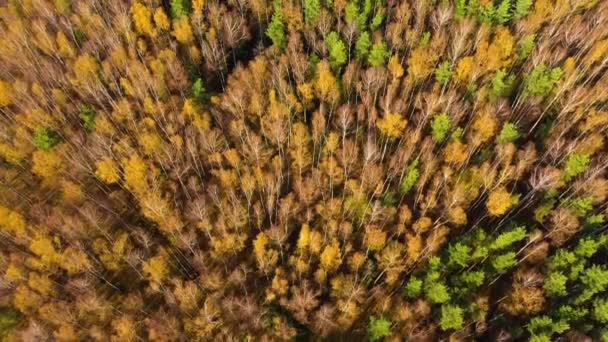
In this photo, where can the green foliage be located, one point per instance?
(588, 246)
(555, 284)
(351, 12)
(540, 81)
(312, 10)
(198, 91)
(487, 14)
(451, 317)
(377, 19)
(575, 165)
(561, 259)
(440, 126)
(459, 254)
(501, 85)
(460, 8)
(508, 238)
(45, 138)
(378, 328)
(276, 30)
(425, 39)
(436, 292)
(362, 45)
(525, 46)
(522, 7)
(63, 5)
(87, 115)
(503, 12)
(337, 50)
(579, 205)
(473, 279)
(503, 262)
(543, 327)
(410, 177)
(9, 318)
(443, 74)
(180, 8)
(509, 133)
(413, 288)
(600, 310)
(378, 54)
(595, 279)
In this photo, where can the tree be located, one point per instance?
(500, 201)
(46, 138)
(337, 50)
(440, 127)
(87, 115)
(392, 125)
(443, 74)
(503, 262)
(600, 311)
(459, 254)
(379, 328)
(540, 81)
(574, 165)
(503, 12)
(555, 284)
(508, 134)
(107, 171)
(413, 287)
(522, 7)
(378, 54)
(276, 30)
(410, 177)
(312, 10)
(451, 317)
(182, 31)
(362, 45)
(180, 8)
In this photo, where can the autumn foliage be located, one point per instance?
(277, 170)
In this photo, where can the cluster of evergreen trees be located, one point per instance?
(269, 170)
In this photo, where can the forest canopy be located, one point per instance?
(303, 170)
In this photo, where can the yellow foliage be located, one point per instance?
(464, 69)
(12, 222)
(74, 260)
(150, 142)
(47, 164)
(500, 53)
(157, 269)
(597, 52)
(66, 49)
(85, 68)
(394, 66)
(330, 258)
(161, 20)
(304, 239)
(375, 238)
(5, 93)
(142, 15)
(325, 83)
(43, 247)
(455, 152)
(107, 170)
(182, 31)
(500, 201)
(392, 125)
(135, 175)
(484, 126)
(26, 300)
(421, 63)
(42, 284)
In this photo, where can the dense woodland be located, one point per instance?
(282, 170)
